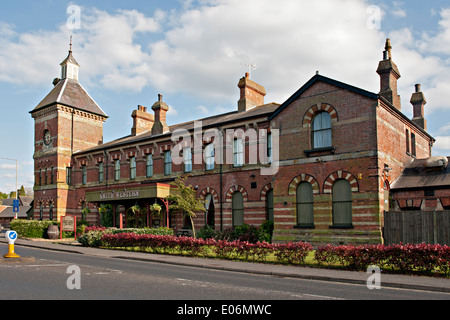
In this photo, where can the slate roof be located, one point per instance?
(210, 122)
(424, 173)
(70, 93)
(9, 212)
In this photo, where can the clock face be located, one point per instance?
(47, 138)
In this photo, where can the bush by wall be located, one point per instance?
(424, 258)
(92, 235)
(286, 253)
(30, 228)
(245, 232)
(405, 258)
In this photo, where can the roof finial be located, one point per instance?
(70, 46)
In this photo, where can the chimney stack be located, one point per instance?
(142, 121)
(252, 94)
(160, 109)
(418, 101)
(389, 75)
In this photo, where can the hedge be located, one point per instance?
(405, 258)
(286, 253)
(92, 235)
(424, 258)
(30, 228)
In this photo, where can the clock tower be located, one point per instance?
(67, 120)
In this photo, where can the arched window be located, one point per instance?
(269, 204)
(321, 130)
(209, 206)
(305, 209)
(342, 203)
(238, 209)
(50, 211)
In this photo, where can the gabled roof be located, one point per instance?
(70, 93)
(320, 78)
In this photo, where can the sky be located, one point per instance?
(194, 53)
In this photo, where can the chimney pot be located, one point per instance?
(142, 121)
(160, 108)
(389, 74)
(251, 94)
(418, 102)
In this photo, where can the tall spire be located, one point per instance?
(69, 67)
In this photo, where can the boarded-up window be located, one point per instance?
(305, 211)
(238, 209)
(342, 203)
(269, 204)
(321, 130)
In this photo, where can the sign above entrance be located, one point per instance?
(156, 190)
(117, 195)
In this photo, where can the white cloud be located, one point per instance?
(202, 50)
(205, 51)
(442, 146)
(105, 44)
(398, 11)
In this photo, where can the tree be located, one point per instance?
(185, 199)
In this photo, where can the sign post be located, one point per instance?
(68, 223)
(12, 237)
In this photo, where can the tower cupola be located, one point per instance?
(70, 67)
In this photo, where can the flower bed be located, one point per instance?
(423, 258)
(405, 258)
(287, 253)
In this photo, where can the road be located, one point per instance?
(48, 278)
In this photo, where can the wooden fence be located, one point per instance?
(431, 227)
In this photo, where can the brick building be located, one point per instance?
(327, 157)
(424, 185)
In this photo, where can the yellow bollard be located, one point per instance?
(11, 236)
(11, 253)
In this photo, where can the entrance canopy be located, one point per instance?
(157, 190)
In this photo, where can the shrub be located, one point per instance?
(266, 231)
(406, 258)
(292, 252)
(30, 228)
(207, 232)
(156, 231)
(91, 238)
(236, 249)
(246, 233)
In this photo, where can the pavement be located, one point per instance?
(321, 274)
